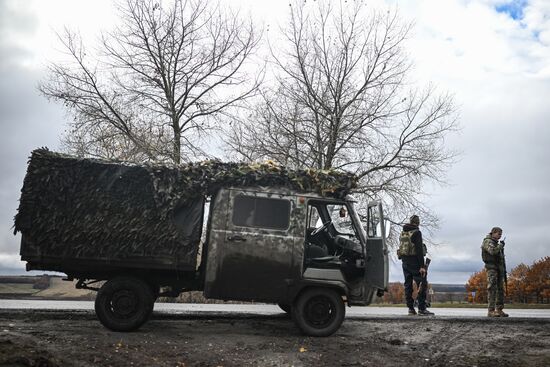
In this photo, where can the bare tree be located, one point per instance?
(159, 82)
(342, 100)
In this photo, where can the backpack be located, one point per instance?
(406, 246)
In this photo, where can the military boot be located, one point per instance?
(425, 313)
(501, 313)
(492, 313)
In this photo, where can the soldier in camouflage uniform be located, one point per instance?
(492, 253)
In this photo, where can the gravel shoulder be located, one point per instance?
(76, 338)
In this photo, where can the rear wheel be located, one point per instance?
(124, 303)
(319, 312)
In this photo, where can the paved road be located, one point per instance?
(205, 309)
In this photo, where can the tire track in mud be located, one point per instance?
(443, 341)
(486, 342)
(442, 345)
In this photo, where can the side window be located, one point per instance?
(373, 222)
(314, 219)
(251, 211)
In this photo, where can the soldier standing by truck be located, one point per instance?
(411, 252)
(492, 253)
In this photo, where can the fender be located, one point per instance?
(339, 286)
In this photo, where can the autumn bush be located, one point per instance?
(477, 287)
(395, 293)
(526, 284)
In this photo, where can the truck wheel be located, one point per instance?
(319, 312)
(124, 303)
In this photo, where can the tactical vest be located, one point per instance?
(487, 258)
(406, 246)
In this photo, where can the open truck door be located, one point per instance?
(377, 263)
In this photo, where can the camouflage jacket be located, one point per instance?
(492, 253)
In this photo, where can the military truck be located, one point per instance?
(136, 232)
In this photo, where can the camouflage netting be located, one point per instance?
(87, 208)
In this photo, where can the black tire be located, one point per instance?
(124, 303)
(319, 311)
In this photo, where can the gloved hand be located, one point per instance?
(502, 243)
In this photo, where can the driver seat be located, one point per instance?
(327, 262)
(317, 257)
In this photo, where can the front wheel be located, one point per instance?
(319, 312)
(124, 303)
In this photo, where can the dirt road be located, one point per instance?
(76, 338)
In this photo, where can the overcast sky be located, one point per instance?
(493, 56)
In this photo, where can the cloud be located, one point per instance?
(14, 21)
(497, 67)
(16, 25)
(11, 263)
(27, 121)
(438, 274)
(455, 266)
(536, 19)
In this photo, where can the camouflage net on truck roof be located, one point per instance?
(87, 208)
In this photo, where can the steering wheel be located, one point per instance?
(320, 229)
(345, 243)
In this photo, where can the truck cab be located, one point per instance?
(308, 253)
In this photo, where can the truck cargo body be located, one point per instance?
(91, 219)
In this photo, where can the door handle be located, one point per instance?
(236, 239)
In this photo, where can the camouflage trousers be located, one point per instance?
(495, 288)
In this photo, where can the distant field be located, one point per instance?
(58, 289)
(65, 290)
(17, 289)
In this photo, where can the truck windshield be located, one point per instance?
(341, 220)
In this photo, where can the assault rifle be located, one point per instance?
(425, 283)
(428, 261)
(504, 266)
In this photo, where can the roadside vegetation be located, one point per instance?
(526, 284)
